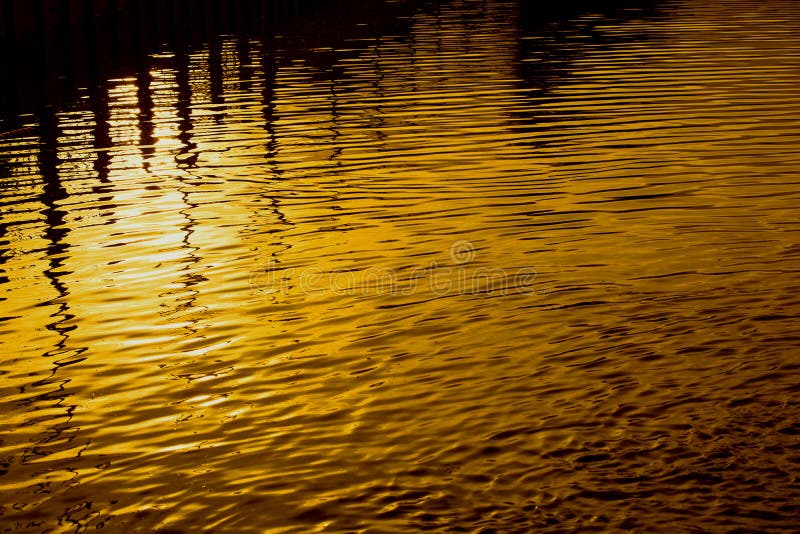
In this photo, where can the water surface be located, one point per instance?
(489, 272)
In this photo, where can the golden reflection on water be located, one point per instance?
(196, 332)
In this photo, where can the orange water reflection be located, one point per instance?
(166, 365)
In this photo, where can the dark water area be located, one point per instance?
(399, 266)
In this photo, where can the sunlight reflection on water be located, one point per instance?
(483, 271)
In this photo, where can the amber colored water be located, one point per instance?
(481, 275)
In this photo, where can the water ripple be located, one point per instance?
(480, 269)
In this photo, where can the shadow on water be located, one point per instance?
(54, 48)
(51, 48)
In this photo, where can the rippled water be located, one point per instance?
(491, 273)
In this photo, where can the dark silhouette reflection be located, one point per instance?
(53, 192)
(269, 65)
(269, 68)
(186, 156)
(4, 241)
(215, 73)
(191, 278)
(56, 232)
(53, 391)
(544, 58)
(144, 99)
(101, 135)
(548, 22)
(57, 46)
